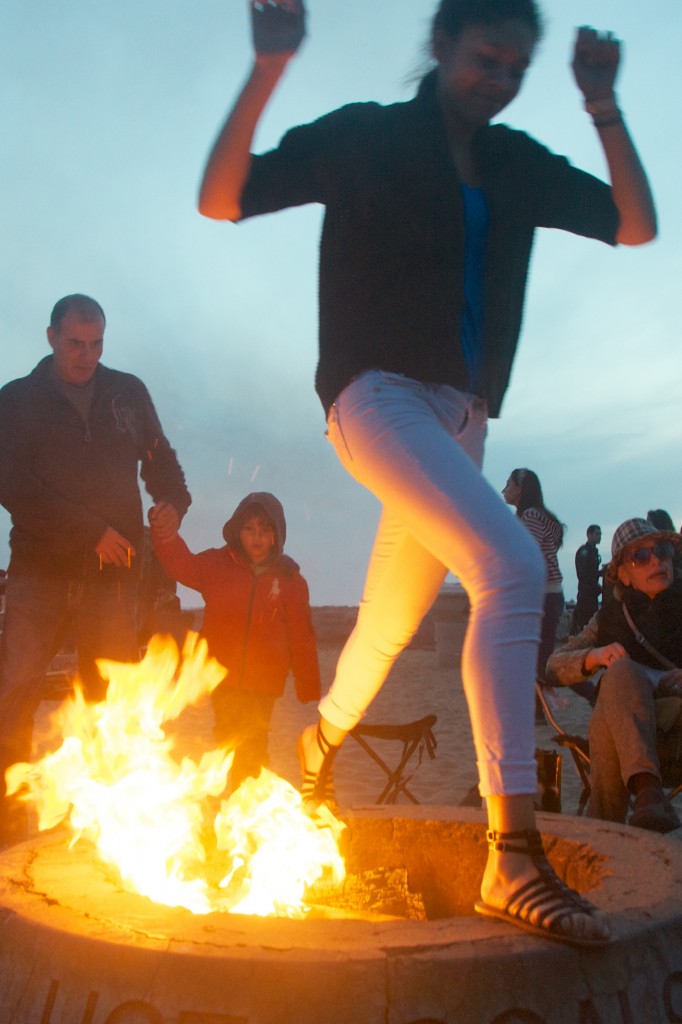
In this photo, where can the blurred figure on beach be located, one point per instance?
(660, 519)
(430, 213)
(257, 621)
(524, 492)
(633, 648)
(158, 604)
(587, 567)
(74, 435)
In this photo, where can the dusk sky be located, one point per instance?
(109, 110)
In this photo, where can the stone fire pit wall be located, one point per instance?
(400, 945)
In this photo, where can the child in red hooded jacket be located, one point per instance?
(257, 621)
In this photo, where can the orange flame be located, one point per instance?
(115, 782)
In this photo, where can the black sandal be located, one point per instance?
(547, 895)
(317, 788)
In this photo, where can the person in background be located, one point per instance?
(257, 621)
(660, 519)
(158, 604)
(430, 213)
(523, 491)
(633, 646)
(73, 436)
(587, 567)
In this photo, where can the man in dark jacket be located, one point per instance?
(72, 436)
(587, 562)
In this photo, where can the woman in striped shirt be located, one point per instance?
(523, 490)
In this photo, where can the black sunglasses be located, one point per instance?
(642, 556)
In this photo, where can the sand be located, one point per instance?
(417, 686)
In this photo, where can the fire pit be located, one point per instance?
(398, 944)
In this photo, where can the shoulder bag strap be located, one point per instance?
(641, 639)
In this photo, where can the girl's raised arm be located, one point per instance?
(278, 28)
(596, 60)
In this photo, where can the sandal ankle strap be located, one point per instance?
(319, 785)
(527, 841)
(325, 747)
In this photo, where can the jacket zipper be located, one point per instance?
(245, 645)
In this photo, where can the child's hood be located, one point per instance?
(272, 508)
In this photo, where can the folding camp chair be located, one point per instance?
(578, 748)
(415, 737)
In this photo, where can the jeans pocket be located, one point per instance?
(473, 429)
(457, 434)
(334, 434)
(455, 410)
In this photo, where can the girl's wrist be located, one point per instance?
(604, 111)
(271, 64)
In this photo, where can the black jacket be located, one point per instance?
(587, 562)
(63, 481)
(391, 260)
(659, 620)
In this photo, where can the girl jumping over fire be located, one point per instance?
(429, 219)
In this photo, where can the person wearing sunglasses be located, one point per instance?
(634, 646)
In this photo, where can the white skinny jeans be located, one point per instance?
(419, 449)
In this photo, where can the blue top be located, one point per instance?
(475, 235)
